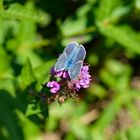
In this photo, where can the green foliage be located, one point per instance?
(34, 33)
(26, 76)
(10, 129)
(130, 37)
(18, 12)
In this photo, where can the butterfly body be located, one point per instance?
(71, 60)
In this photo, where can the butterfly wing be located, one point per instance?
(75, 70)
(71, 59)
(61, 62)
(71, 48)
(80, 54)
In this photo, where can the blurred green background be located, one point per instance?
(33, 33)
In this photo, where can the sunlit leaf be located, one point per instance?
(26, 77)
(123, 35)
(19, 12)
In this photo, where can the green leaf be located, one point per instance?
(26, 77)
(80, 130)
(27, 32)
(31, 110)
(8, 85)
(30, 129)
(76, 27)
(5, 67)
(108, 114)
(97, 90)
(2, 33)
(116, 75)
(137, 4)
(118, 12)
(123, 35)
(76, 22)
(105, 8)
(25, 53)
(44, 69)
(133, 132)
(20, 12)
(42, 73)
(1, 5)
(8, 118)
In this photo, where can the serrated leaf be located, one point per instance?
(7, 85)
(26, 77)
(5, 69)
(24, 53)
(20, 12)
(44, 68)
(42, 73)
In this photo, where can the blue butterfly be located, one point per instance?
(71, 60)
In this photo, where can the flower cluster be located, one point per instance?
(55, 86)
(83, 80)
(61, 84)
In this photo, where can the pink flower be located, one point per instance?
(83, 80)
(55, 86)
(60, 74)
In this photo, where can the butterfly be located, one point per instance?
(71, 60)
